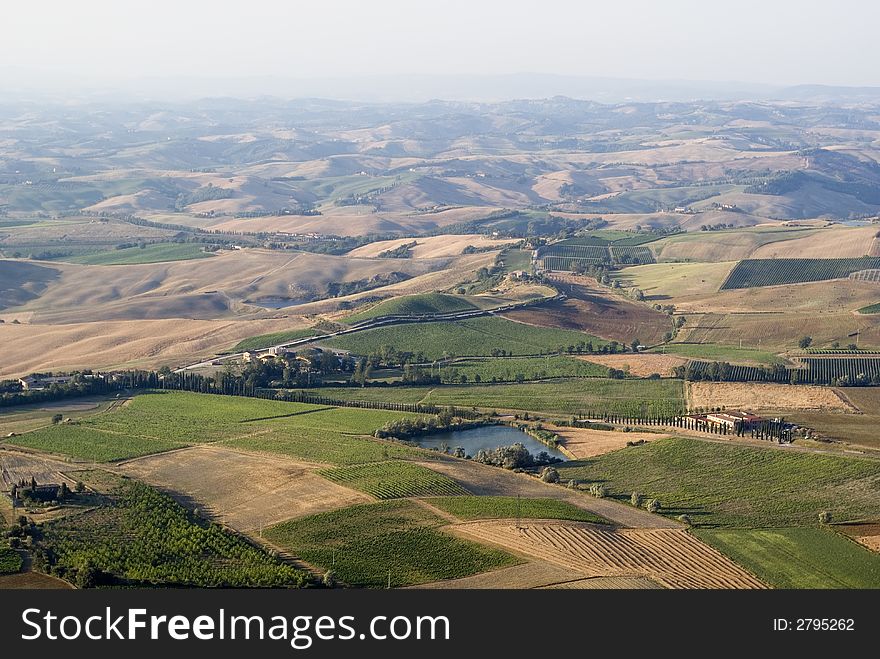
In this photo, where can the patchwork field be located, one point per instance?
(489, 507)
(472, 337)
(763, 396)
(396, 543)
(720, 484)
(641, 365)
(798, 558)
(670, 557)
(242, 490)
(394, 480)
(586, 443)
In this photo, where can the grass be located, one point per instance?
(276, 338)
(415, 305)
(155, 253)
(721, 353)
(474, 337)
(394, 480)
(394, 541)
(326, 447)
(160, 421)
(10, 561)
(583, 395)
(737, 486)
(525, 368)
(516, 259)
(798, 558)
(468, 508)
(870, 309)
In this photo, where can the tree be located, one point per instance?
(57, 418)
(685, 519)
(825, 517)
(80, 487)
(329, 579)
(805, 342)
(549, 475)
(635, 499)
(635, 345)
(653, 506)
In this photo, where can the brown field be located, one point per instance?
(245, 491)
(32, 580)
(641, 365)
(670, 557)
(533, 574)
(596, 311)
(585, 443)
(834, 242)
(781, 331)
(431, 248)
(15, 465)
(607, 583)
(858, 429)
(867, 534)
(763, 396)
(485, 480)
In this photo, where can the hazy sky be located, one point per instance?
(764, 41)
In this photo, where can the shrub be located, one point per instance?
(599, 490)
(572, 484)
(635, 499)
(653, 506)
(549, 475)
(825, 517)
(685, 519)
(57, 418)
(329, 579)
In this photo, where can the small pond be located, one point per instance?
(486, 438)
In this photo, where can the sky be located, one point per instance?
(107, 43)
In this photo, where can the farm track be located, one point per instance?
(486, 480)
(671, 557)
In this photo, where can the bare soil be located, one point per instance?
(641, 365)
(763, 396)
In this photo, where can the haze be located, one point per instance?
(110, 45)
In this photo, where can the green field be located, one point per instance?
(737, 486)
(773, 272)
(516, 259)
(160, 421)
(474, 337)
(575, 396)
(146, 538)
(871, 308)
(263, 341)
(521, 368)
(394, 480)
(10, 560)
(798, 558)
(720, 353)
(468, 508)
(155, 253)
(397, 541)
(417, 305)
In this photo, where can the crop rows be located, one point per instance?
(565, 263)
(872, 275)
(752, 273)
(394, 480)
(815, 370)
(827, 370)
(589, 252)
(633, 254)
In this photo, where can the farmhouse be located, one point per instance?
(39, 382)
(732, 419)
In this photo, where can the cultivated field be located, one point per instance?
(245, 491)
(432, 247)
(396, 543)
(586, 443)
(798, 558)
(16, 466)
(394, 480)
(763, 396)
(489, 507)
(724, 484)
(670, 557)
(641, 365)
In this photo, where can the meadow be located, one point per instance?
(394, 480)
(524, 368)
(799, 557)
(161, 421)
(475, 337)
(500, 507)
(394, 543)
(725, 485)
(155, 253)
(573, 396)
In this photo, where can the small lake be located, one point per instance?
(486, 438)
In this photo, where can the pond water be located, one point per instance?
(486, 438)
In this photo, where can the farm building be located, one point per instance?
(731, 419)
(38, 382)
